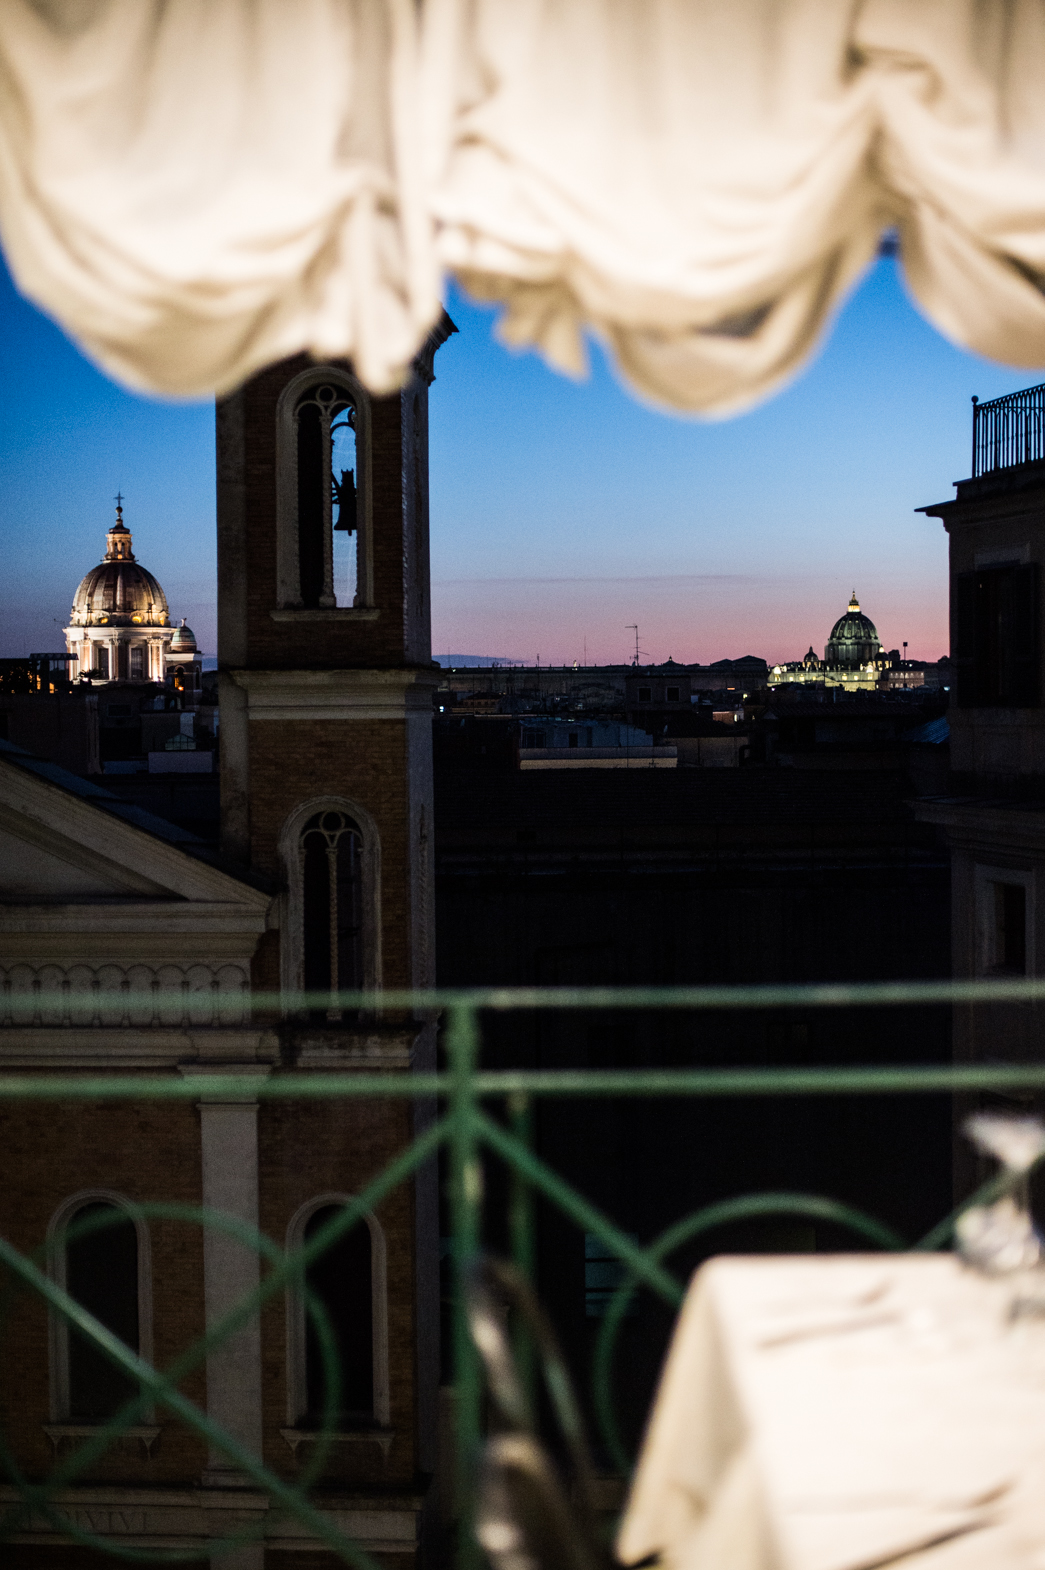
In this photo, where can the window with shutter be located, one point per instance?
(996, 638)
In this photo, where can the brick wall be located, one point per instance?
(144, 1151)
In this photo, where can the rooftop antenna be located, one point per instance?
(633, 627)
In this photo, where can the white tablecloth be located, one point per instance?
(844, 1412)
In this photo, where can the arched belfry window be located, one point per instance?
(326, 432)
(331, 926)
(332, 878)
(98, 1250)
(349, 1283)
(323, 455)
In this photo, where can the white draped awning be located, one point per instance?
(195, 188)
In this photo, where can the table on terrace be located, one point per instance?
(846, 1412)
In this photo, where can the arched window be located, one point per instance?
(331, 922)
(326, 443)
(323, 491)
(341, 1281)
(331, 878)
(98, 1251)
(349, 1281)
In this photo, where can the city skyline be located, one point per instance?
(562, 513)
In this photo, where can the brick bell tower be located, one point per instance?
(326, 681)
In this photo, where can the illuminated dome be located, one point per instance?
(854, 639)
(119, 592)
(184, 640)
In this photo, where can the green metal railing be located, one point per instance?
(466, 1131)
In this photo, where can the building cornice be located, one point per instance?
(195, 918)
(92, 1048)
(424, 360)
(192, 1518)
(337, 694)
(970, 820)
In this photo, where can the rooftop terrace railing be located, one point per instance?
(464, 1127)
(1008, 431)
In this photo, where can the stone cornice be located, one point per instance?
(337, 694)
(424, 360)
(193, 1517)
(195, 918)
(970, 821)
(91, 1048)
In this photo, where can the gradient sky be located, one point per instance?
(561, 511)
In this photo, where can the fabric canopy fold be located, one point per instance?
(195, 188)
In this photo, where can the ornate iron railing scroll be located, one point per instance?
(468, 1133)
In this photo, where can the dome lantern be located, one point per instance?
(118, 538)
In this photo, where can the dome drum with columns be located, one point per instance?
(853, 658)
(120, 627)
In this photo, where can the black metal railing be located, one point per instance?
(1008, 431)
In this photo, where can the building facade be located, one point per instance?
(323, 885)
(993, 813)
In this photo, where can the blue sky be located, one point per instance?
(561, 511)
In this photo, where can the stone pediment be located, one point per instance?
(107, 919)
(64, 840)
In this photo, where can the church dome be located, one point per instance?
(119, 592)
(854, 639)
(184, 640)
